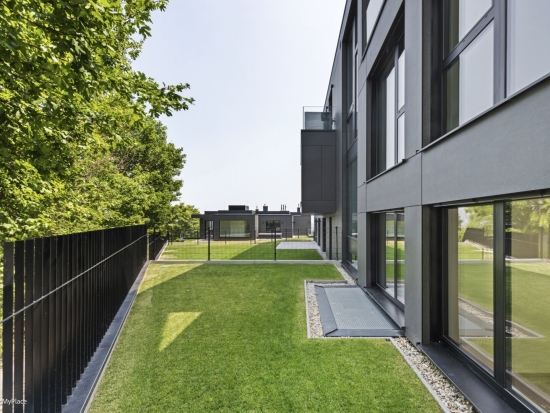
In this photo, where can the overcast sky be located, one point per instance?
(252, 66)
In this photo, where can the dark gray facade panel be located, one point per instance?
(396, 188)
(413, 77)
(328, 178)
(413, 273)
(503, 152)
(385, 22)
(312, 185)
(319, 207)
(319, 177)
(361, 137)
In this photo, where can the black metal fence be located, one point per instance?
(156, 244)
(60, 296)
(218, 243)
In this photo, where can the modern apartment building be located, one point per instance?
(432, 153)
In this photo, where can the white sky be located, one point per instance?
(252, 66)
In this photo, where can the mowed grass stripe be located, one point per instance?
(241, 346)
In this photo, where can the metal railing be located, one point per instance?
(156, 244)
(217, 243)
(60, 295)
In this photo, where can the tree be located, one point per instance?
(60, 63)
(181, 223)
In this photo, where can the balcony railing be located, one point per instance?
(318, 118)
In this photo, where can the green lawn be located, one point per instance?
(234, 250)
(223, 338)
(470, 252)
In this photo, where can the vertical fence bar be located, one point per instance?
(64, 320)
(275, 244)
(209, 243)
(57, 372)
(330, 239)
(45, 330)
(7, 327)
(337, 243)
(18, 339)
(52, 326)
(29, 288)
(37, 320)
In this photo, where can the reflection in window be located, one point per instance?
(462, 17)
(234, 229)
(470, 281)
(352, 213)
(390, 131)
(528, 303)
(371, 16)
(391, 271)
(527, 42)
(469, 81)
(272, 226)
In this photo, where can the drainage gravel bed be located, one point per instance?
(448, 396)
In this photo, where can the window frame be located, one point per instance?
(395, 46)
(364, 7)
(498, 377)
(496, 14)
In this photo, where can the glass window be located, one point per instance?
(234, 229)
(528, 299)
(469, 81)
(390, 128)
(371, 16)
(470, 281)
(390, 119)
(391, 271)
(272, 226)
(462, 16)
(352, 227)
(528, 56)
(351, 86)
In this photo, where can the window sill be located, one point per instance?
(386, 171)
(393, 310)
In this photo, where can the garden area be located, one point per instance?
(233, 338)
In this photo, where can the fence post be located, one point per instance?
(275, 244)
(198, 236)
(225, 236)
(208, 243)
(336, 243)
(330, 240)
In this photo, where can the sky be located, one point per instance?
(252, 65)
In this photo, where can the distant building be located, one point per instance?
(240, 222)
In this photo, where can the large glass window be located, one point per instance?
(528, 299)
(351, 85)
(391, 250)
(272, 226)
(470, 281)
(234, 229)
(352, 228)
(469, 81)
(527, 43)
(491, 50)
(371, 11)
(390, 126)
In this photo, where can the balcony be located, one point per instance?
(318, 118)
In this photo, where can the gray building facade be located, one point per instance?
(434, 164)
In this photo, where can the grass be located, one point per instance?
(235, 250)
(216, 338)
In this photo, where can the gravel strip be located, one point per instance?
(437, 382)
(449, 396)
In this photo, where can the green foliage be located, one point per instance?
(181, 221)
(80, 144)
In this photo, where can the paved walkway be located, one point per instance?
(347, 311)
(298, 245)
